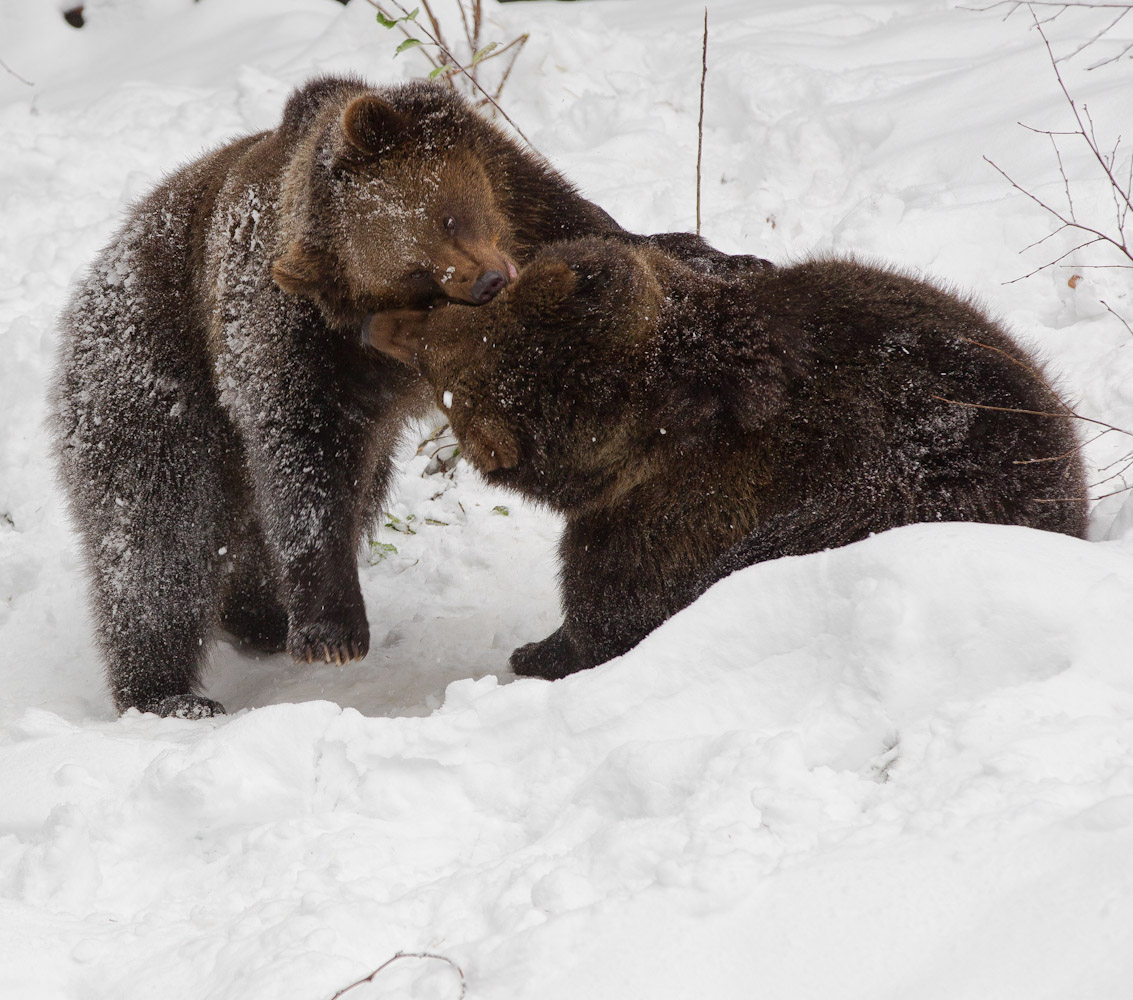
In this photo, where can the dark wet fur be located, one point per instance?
(689, 422)
(223, 444)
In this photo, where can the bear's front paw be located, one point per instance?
(552, 658)
(329, 642)
(185, 706)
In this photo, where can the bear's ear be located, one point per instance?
(372, 126)
(298, 271)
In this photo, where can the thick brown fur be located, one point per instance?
(223, 436)
(689, 424)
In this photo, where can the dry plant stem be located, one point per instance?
(11, 72)
(1061, 8)
(1100, 34)
(700, 121)
(1112, 313)
(1066, 454)
(520, 42)
(1118, 475)
(1068, 414)
(1091, 138)
(1026, 367)
(460, 68)
(396, 958)
(436, 25)
(405, 31)
(472, 28)
(1120, 192)
(469, 37)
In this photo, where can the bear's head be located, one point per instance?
(544, 384)
(389, 207)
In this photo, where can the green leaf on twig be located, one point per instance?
(392, 22)
(409, 43)
(446, 68)
(480, 53)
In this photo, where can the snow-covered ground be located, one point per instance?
(899, 769)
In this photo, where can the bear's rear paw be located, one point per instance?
(185, 706)
(328, 642)
(552, 658)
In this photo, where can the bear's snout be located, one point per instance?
(488, 286)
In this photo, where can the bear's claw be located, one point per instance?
(339, 653)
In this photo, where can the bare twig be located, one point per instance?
(449, 59)
(700, 121)
(1081, 446)
(518, 43)
(405, 31)
(1059, 7)
(12, 72)
(1124, 322)
(1068, 414)
(1030, 369)
(398, 957)
(1119, 189)
(468, 37)
(436, 25)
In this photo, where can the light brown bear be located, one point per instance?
(223, 437)
(687, 425)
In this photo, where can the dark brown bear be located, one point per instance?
(224, 438)
(687, 426)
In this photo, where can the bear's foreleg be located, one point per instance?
(619, 581)
(312, 458)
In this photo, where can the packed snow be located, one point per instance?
(899, 769)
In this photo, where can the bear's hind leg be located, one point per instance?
(155, 603)
(146, 494)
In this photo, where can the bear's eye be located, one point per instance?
(419, 275)
(450, 224)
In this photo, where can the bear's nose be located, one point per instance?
(488, 286)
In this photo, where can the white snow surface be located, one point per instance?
(899, 769)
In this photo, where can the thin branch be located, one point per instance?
(12, 72)
(1124, 322)
(460, 68)
(522, 41)
(1090, 41)
(1077, 117)
(1099, 236)
(1070, 415)
(1106, 468)
(436, 25)
(405, 31)
(1030, 369)
(1119, 475)
(1016, 4)
(467, 27)
(1105, 62)
(700, 121)
(398, 957)
(1065, 455)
